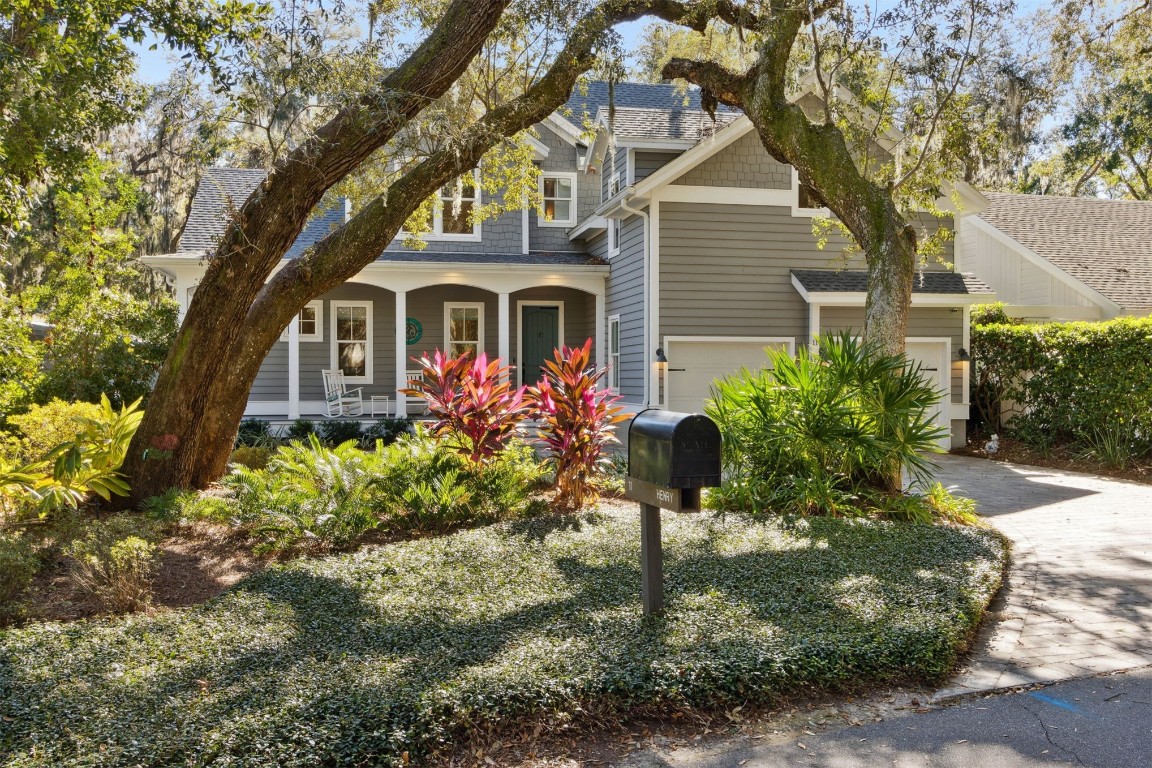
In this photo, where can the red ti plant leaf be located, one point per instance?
(476, 408)
(577, 421)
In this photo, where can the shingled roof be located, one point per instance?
(220, 190)
(684, 124)
(856, 281)
(589, 99)
(1105, 244)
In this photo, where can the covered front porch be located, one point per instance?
(375, 326)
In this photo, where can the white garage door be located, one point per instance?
(934, 355)
(694, 363)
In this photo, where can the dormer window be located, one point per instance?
(558, 199)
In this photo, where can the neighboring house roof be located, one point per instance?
(684, 124)
(224, 190)
(550, 258)
(856, 281)
(1105, 244)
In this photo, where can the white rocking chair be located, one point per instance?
(338, 399)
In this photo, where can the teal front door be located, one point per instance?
(539, 334)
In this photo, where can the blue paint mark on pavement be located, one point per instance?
(1055, 702)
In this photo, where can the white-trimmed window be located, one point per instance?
(452, 219)
(613, 237)
(352, 340)
(311, 319)
(463, 327)
(614, 352)
(558, 199)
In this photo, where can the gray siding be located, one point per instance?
(937, 322)
(625, 297)
(648, 163)
(562, 157)
(579, 315)
(744, 164)
(724, 270)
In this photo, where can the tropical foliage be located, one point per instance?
(473, 401)
(826, 431)
(67, 474)
(577, 422)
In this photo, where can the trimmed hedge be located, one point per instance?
(1067, 381)
(361, 658)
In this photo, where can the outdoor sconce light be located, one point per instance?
(962, 354)
(660, 358)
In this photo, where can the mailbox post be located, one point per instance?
(671, 456)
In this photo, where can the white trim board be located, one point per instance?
(448, 307)
(858, 298)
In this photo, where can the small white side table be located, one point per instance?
(378, 401)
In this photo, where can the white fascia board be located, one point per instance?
(1036, 259)
(564, 129)
(610, 208)
(700, 152)
(634, 142)
(464, 267)
(593, 225)
(541, 149)
(971, 201)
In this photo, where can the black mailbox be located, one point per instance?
(674, 450)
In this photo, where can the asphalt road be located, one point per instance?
(1100, 722)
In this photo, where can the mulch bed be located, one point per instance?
(197, 565)
(1063, 457)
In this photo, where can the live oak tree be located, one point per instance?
(876, 74)
(244, 302)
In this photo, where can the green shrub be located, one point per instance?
(814, 433)
(43, 427)
(18, 565)
(251, 456)
(428, 485)
(255, 433)
(1114, 445)
(89, 463)
(386, 430)
(1067, 383)
(300, 429)
(991, 314)
(384, 656)
(334, 433)
(308, 497)
(116, 562)
(183, 507)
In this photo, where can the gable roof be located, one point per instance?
(589, 98)
(1105, 244)
(220, 190)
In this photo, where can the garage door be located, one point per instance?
(933, 357)
(693, 364)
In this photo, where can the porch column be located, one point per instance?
(503, 330)
(601, 340)
(294, 368)
(401, 353)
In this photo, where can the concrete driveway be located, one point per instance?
(1078, 600)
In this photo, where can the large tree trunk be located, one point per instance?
(240, 307)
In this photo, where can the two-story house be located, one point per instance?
(672, 240)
